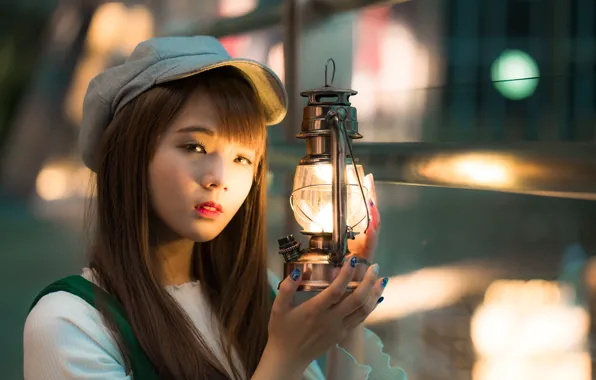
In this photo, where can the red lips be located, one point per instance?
(209, 209)
(211, 205)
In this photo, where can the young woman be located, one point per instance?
(177, 285)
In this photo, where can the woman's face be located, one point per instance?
(198, 180)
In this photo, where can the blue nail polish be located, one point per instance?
(380, 300)
(295, 274)
(353, 262)
(372, 204)
(384, 282)
(376, 268)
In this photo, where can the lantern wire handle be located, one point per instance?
(327, 83)
(342, 114)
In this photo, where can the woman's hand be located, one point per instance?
(365, 245)
(300, 334)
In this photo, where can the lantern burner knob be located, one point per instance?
(289, 248)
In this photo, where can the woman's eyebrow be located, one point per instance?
(197, 128)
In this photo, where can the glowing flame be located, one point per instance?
(323, 219)
(312, 201)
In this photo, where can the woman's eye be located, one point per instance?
(243, 160)
(194, 148)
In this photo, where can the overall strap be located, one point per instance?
(142, 368)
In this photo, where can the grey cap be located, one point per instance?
(161, 60)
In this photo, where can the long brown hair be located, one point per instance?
(231, 267)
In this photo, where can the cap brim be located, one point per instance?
(268, 86)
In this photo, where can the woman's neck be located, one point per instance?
(175, 258)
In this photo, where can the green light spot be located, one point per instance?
(515, 74)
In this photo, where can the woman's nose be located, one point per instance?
(215, 175)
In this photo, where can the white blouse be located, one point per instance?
(65, 338)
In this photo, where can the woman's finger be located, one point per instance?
(375, 215)
(359, 315)
(334, 292)
(287, 290)
(370, 243)
(373, 188)
(361, 295)
(371, 203)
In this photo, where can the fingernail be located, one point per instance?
(367, 180)
(380, 300)
(372, 204)
(295, 274)
(353, 262)
(376, 268)
(384, 282)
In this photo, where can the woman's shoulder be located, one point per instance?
(60, 307)
(64, 335)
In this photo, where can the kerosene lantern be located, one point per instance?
(328, 198)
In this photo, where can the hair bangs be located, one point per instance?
(241, 113)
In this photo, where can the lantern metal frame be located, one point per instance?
(329, 124)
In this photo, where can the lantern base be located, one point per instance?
(319, 271)
(318, 264)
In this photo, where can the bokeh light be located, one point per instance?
(515, 74)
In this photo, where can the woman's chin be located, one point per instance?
(203, 234)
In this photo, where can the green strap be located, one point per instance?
(141, 366)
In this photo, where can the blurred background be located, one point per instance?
(479, 125)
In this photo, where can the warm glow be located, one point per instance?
(470, 170)
(116, 27)
(530, 330)
(236, 8)
(575, 366)
(430, 288)
(312, 199)
(138, 27)
(52, 184)
(60, 181)
(323, 171)
(481, 171)
(324, 219)
(106, 27)
(115, 30)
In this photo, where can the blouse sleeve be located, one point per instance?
(376, 366)
(65, 339)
